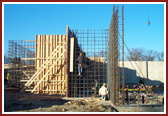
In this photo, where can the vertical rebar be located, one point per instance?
(123, 100)
(92, 47)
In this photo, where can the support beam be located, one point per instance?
(47, 72)
(45, 64)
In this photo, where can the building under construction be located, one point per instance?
(48, 65)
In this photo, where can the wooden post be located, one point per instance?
(67, 38)
(56, 66)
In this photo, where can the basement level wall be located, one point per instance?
(153, 71)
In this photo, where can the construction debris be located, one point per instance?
(57, 105)
(91, 105)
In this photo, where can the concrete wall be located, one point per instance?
(156, 72)
(153, 70)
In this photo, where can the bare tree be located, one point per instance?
(140, 54)
(150, 55)
(160, 56)
(102, 53)
(136, 54)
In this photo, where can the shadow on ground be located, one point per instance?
(14, 104)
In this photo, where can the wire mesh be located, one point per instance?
(115, 71)
(93, 44)
(21, 69)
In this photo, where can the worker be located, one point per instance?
(127, 99)
(80, 64)
(96, 87)
(103, 91)
(146, 92)
(7, 78)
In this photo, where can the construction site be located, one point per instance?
(43, 75)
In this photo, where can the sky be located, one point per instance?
(24, 21)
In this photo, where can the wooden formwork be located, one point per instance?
(51, 63)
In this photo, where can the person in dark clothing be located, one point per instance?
(96, 87)
(80, 64)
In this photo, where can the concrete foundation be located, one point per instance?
(153, 71)
(140, 108)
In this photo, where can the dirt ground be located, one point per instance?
(44, 103)
(53, 103)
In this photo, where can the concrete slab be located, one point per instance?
(140, 108)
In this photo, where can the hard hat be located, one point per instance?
(104, 84)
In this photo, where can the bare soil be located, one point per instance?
(46, 103)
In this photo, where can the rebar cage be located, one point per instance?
(21, 70)
(115, 51)
(93, 45)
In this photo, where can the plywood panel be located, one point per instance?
(71, 54)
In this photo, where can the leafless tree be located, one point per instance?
(150, 55)
(140, 54)
(102, 53)
(160, 56)
(136, 54)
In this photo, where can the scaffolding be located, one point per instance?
(21, 70)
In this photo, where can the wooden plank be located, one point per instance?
(40, 61)
(47, 54)
(62, 71)
(58, 91)
(44, 60)
(51, 72)
(67, 31)
(24, 72)
(44, 81)
(64, 40)
(29, 59)
(39, 64)
(52, 48)
(38, 56)
(62, 63)
(56, 61)
(46, 75)
(36, 59)
(40, 43)
(71, 54)
(59, 63)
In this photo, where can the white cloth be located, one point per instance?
(103, 91)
